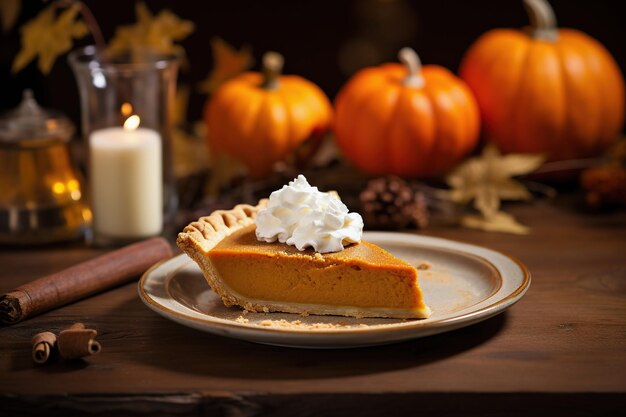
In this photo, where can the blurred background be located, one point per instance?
(323, 41)
(327, 42)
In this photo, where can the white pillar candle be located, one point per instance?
(126, 182)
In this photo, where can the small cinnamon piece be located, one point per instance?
(78, 342)
(43, 345)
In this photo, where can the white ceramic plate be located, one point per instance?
(466, 284)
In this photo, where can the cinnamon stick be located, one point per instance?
(82, 280)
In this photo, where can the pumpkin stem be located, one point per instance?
(542, 20)
(272, 68)
(414, 67)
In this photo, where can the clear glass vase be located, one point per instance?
(126, 110)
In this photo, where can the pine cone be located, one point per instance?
(605, 186)
(390, 203)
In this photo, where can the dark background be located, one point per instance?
(324, 41)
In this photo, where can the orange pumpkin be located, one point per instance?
(261, 119)
(554, 91)
(406, 120)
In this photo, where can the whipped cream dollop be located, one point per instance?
(301, 215)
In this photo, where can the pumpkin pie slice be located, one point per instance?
(363, 280)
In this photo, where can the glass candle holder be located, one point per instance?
(126, 103)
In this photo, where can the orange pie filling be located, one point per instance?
(363, 279)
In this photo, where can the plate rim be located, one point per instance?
(470, 317)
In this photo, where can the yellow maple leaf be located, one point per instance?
(157, 32)
(487, 179)
(49, 36)
(227, 62)
(9, 12)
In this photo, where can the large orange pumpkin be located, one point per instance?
(406, 120)
(549, 90)
(261, 119)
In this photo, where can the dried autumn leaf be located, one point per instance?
(157, 32)
(49, 36)
(223, 169)
(498, 222)
(190, 154)
(487, 201)
(227, 62)
(9, 12)
(180, 105)
(487, 179)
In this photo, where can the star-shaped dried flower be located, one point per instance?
(157, 32)
(487, 180)
(227, 62)
(49, 36)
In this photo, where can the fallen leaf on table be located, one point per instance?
(158, 32)
(227, 63)
(487, 179)
(49, 36)
(9, 12)
(498, 222)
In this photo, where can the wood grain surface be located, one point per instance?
(560, 351)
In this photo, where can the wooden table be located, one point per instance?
(560, 351)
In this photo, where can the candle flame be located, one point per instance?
(126, 109)
(132, 122)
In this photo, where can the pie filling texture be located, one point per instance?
(363, 280)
